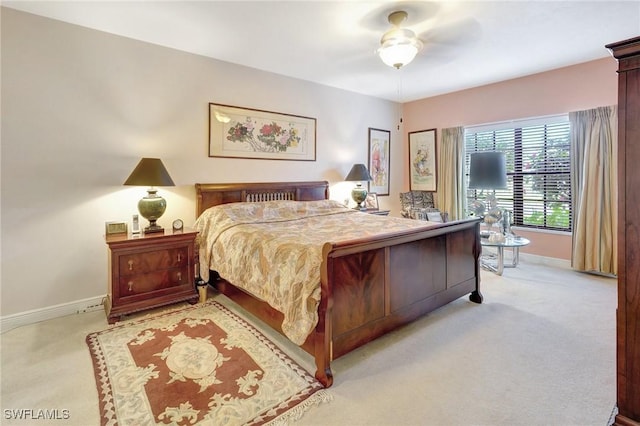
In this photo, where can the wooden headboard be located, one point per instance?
(213, 194)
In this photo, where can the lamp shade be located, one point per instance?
(358, 173)
(150, 172)
(487, 170)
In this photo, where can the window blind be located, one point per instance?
(537, 152)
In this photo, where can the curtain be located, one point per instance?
(451, 173)
(594, 169)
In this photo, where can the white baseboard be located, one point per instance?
(9, 322)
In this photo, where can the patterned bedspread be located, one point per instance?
(273, 250)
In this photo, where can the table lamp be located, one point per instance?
(488, 170)
(151, 172)
(359, 173)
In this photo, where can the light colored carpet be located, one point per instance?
(540, 350)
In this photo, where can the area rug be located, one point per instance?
(198, 365)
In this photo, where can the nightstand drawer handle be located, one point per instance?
(130, 285)
(179, 277)
(130, 262)
(179, 257)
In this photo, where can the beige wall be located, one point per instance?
(81, 107)
(573, 88)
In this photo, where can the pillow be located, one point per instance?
(415, 199)
(430, 214)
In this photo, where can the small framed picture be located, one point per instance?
(371, 202)
(434, 216)
(115, 228)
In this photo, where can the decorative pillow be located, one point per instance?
(430, 214)
(415, 200)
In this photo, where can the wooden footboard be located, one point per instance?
(370, 286)
(396, 279)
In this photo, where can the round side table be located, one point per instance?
(511, 241)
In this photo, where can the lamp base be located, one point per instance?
(153, 228)
(151, 208)
(359, 194)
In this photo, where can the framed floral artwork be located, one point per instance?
(422, 160)
(251, 133)
(379, 148)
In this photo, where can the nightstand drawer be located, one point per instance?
(137, 263)
(143, 283)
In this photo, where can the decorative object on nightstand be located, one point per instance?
(359, 173)
(371, 205)
(115, 228)
(488, 170)
(177, 225)
(150, 271)
(135, 224)
(151, 172)
(371, 202)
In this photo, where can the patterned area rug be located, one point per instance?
(199, 365)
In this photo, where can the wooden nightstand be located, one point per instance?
(149, 271)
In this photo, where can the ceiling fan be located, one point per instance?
(423, 30)
(398, 46)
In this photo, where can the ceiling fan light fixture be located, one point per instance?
(398, 55)
(399, 46)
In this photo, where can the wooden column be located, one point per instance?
(627, 53)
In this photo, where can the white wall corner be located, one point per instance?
(10, 322)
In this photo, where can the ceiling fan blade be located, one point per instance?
(455, 33)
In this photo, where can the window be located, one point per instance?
(538, 193)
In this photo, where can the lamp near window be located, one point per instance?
(488, 170)
(359, 173)
(151, 172)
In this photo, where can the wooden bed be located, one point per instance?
(369, 286)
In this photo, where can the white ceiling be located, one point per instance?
(467, 44)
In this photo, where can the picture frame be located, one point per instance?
(379, 160)
(115, 228)
(238, 132)
(371, 202)
(423, 166)
(434, 216)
